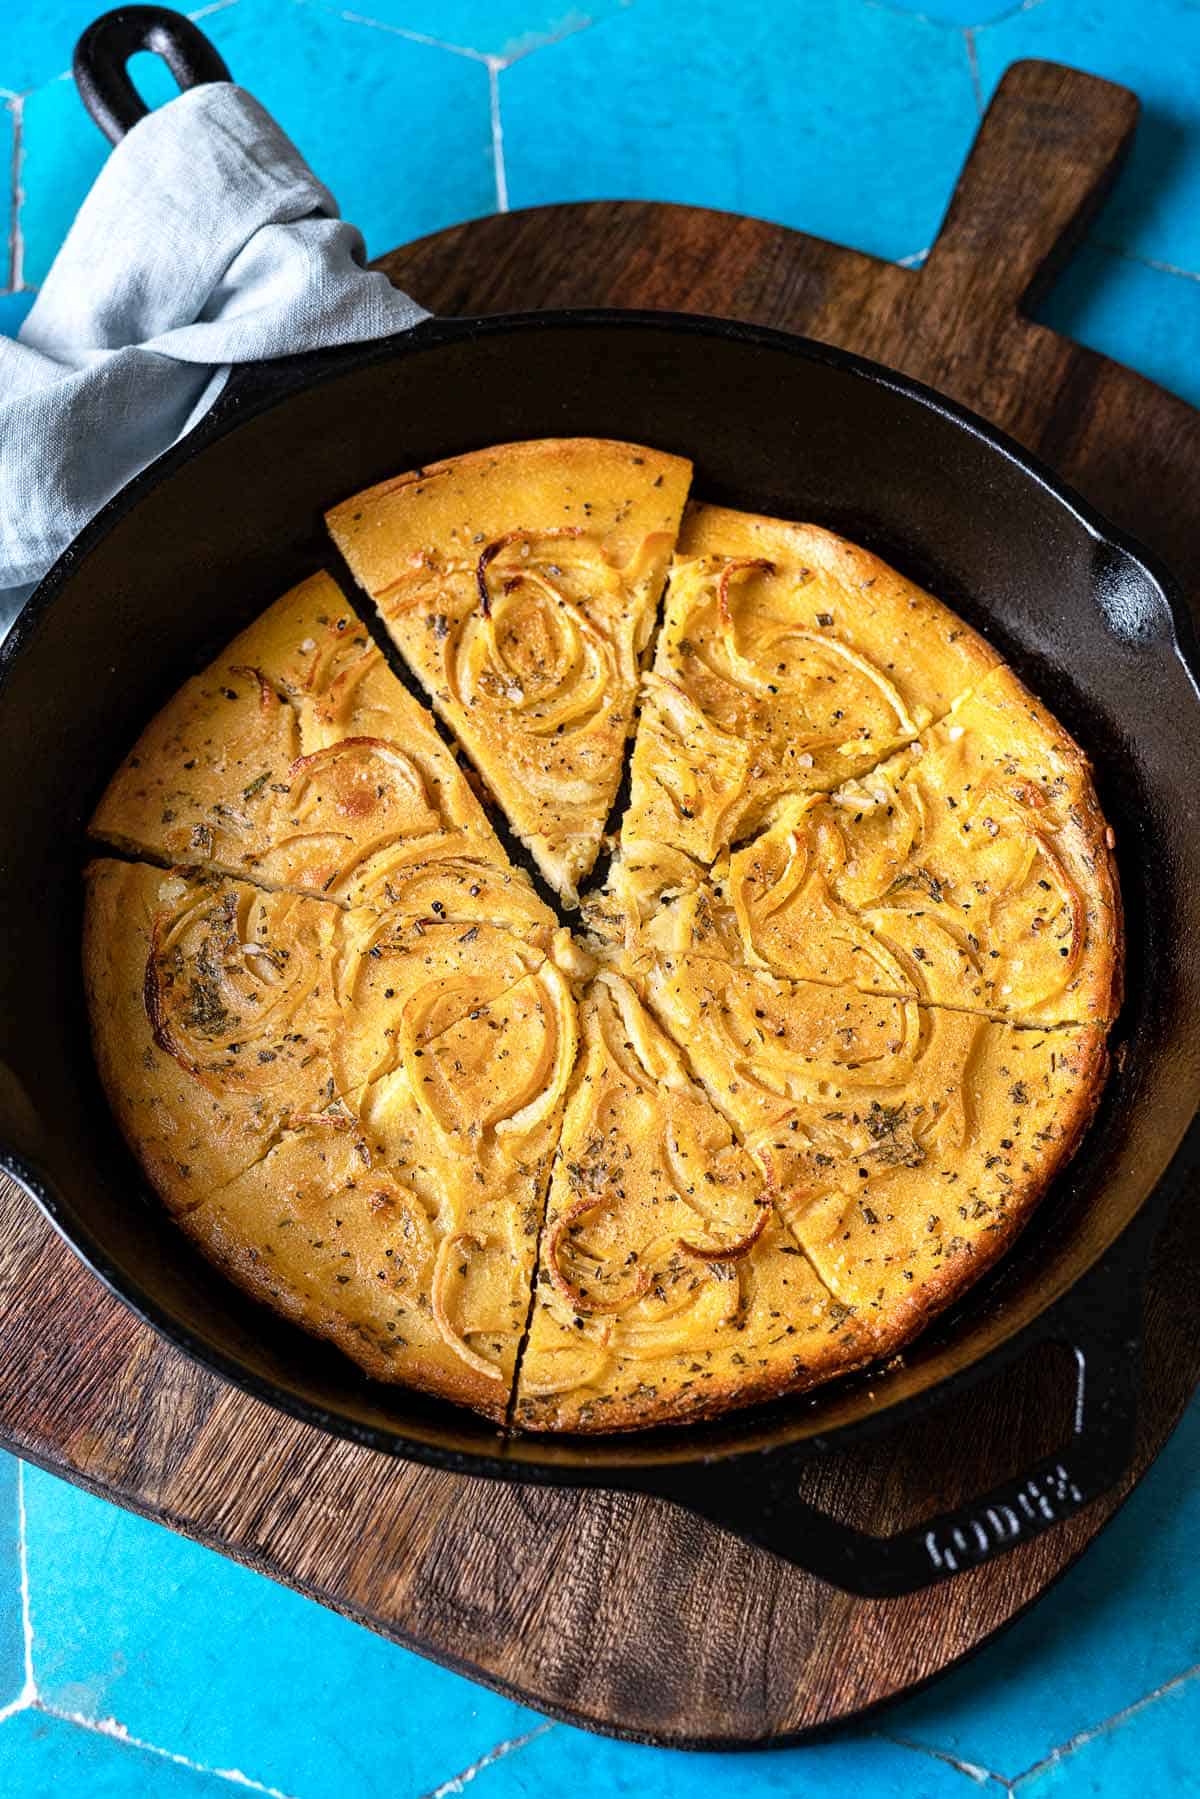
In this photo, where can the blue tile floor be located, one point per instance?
(133, 1662)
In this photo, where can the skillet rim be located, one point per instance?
(250, 390)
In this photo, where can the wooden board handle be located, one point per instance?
(1049, 148)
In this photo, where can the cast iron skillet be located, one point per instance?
(194, 548)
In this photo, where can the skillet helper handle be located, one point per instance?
(104, 50)
(1105, 1331)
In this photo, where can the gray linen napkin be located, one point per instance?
(206, 241)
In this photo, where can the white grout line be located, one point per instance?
(412, 37)
(215, 6)
(900, 11)
(570, 27)
(117, 1733)
(1013, 12)
(494, 66)
(27, 1697)
(458, 1782)
(1147, 262)
(1097, 1730)
(16, 240)
(903, 11)
(972, 1770)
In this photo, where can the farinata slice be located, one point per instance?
(520, 584)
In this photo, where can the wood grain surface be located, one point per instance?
(614, 1611)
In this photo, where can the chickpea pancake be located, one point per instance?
(742, 1116)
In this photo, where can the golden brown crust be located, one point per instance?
(818, 1078)
(520, 584)
(194, 1114)
(841, 1358)
(899, 1137)
(426, 1367)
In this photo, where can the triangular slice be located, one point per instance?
(980, 858)
(906, 1144)
(354, 1116)
(667, 1287)
(973, 869)
(521, 585)
(297, 759)
(789, 660)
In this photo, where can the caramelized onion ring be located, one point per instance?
(346, 679)
(676, 1159)
(866, 668)
(731, 1252)
(550, 1383)
(740, 566)
(575, 1297)
(390, 752)
(492, 550)
(449, 1335)
(542, 1104)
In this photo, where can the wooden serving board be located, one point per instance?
(613, 1611)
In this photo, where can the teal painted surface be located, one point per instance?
(135, 1663)
(215, 1661)
(797, 125)
(12, 1627)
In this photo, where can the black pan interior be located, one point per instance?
(224, 523)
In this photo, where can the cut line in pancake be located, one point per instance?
(713, 1119)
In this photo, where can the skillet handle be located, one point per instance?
(1104, 1327)
(102, 53)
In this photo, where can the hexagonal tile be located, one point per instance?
(500, 28)
(1139, 315)
(855, 130)
(400, 132)
(1153, 48)
(1150, 1750)
(199, 1655)
(49, 1758)
(1118, 1625)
